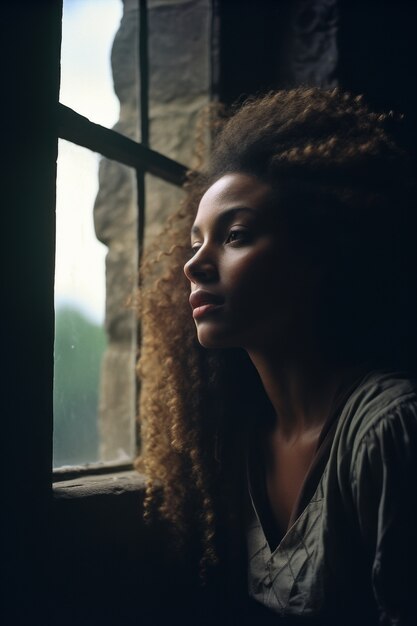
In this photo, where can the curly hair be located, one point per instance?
(345, 187)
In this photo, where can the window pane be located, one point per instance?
(94, 384)
(79, 300)
(163, 199)
(89, 28)
(179, 39)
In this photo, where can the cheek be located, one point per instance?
(264, 301)
(256, 277)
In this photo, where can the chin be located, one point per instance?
(215, 340)
(214, 344)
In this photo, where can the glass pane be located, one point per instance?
(94, 382)
(180, 41)
(89, 28)
(163, 199)
(79, 300)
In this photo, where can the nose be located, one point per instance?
(201, 268)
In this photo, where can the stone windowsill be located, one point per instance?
(115, 484)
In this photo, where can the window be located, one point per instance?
(80, 292)
(95, 419)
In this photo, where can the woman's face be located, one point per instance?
(245, 278)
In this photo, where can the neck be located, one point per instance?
(302, 392)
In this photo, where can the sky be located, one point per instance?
(88, 31)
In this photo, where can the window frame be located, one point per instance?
(78, 129)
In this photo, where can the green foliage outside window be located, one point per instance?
(79, 346)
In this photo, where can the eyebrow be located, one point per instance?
(226, 216)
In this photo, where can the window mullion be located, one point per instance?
(80, 130)
(144, 119)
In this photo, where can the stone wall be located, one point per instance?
(179, 86)
(179, 70)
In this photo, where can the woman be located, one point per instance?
(278, 413)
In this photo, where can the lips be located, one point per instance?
(203, 302)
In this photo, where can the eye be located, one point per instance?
(238, 235)
(195, 247)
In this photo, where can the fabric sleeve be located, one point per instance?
(384, 483)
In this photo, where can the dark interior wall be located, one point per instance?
(253, 47)
(30, 44)
(378, 55)
(108, 568)
(375, 39)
